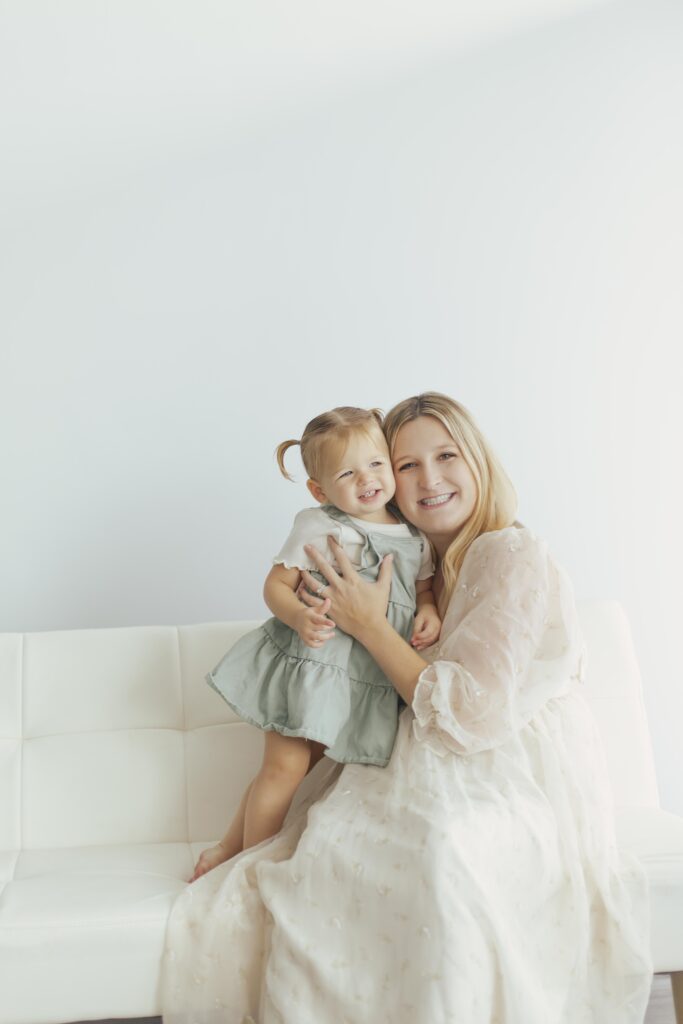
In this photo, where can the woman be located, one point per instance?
(475, 879)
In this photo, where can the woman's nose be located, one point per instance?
(429, 479)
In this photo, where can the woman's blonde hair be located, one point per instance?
(496, 504)
(328, 434)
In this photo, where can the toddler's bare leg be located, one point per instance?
(317, 751)
(227, 847)
(233, 840)
(286, 760)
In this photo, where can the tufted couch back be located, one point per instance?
(111, 736)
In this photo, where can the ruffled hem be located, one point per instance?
(292, 565)
(285, 731)
(320, 668)
(274, 691)
(424, 723)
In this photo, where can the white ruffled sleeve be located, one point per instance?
(311, 526)
(510, 641)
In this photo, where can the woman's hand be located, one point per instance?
(356, 605)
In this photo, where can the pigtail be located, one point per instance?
(379, 417)
(336, 424)
(280, 455)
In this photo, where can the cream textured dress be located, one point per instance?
(473, 880)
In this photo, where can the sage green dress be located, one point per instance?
(335, 694)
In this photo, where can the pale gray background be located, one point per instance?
(220, 220)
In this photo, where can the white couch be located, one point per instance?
(118, 765)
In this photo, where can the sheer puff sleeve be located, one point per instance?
(510, 641)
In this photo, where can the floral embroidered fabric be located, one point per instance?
(473, 880)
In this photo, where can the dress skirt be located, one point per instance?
(485, 889)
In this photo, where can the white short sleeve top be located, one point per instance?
(313, 526)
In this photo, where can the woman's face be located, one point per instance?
(435, 489)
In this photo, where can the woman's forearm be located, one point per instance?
(397, 659)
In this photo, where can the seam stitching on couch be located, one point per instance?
(182, 705)
(22, 688)
(108, 732)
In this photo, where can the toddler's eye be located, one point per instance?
(344, 474)
(377, 462)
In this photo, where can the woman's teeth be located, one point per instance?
(440, 500)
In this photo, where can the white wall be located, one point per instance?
(501, 221)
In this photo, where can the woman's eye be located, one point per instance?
(406, 465)
(449, 455)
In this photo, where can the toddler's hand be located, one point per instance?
(427, 627)
(313, 626)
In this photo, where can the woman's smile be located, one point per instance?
(438, 501)
(435, 488)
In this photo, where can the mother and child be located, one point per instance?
(452, 859)
(313, 690)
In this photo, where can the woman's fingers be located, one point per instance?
(341, 558)
(355, 601)
(323, 565)
(385, 572)
(306, 597)
(313, 584)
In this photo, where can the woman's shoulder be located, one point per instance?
(510, 544)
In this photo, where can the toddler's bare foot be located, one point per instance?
(210, 858)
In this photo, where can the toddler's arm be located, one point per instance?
(311, 624)
(427, 621)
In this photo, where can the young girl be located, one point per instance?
(312, 688)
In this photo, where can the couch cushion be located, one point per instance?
(614, 691)
(89, 924)
(101, 788)
(83, 919)
(114, 753)
(10, 740)
(112, 736)
(656, 839)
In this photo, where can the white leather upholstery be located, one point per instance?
(118, 764)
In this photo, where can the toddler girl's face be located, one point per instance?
(358, 480)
